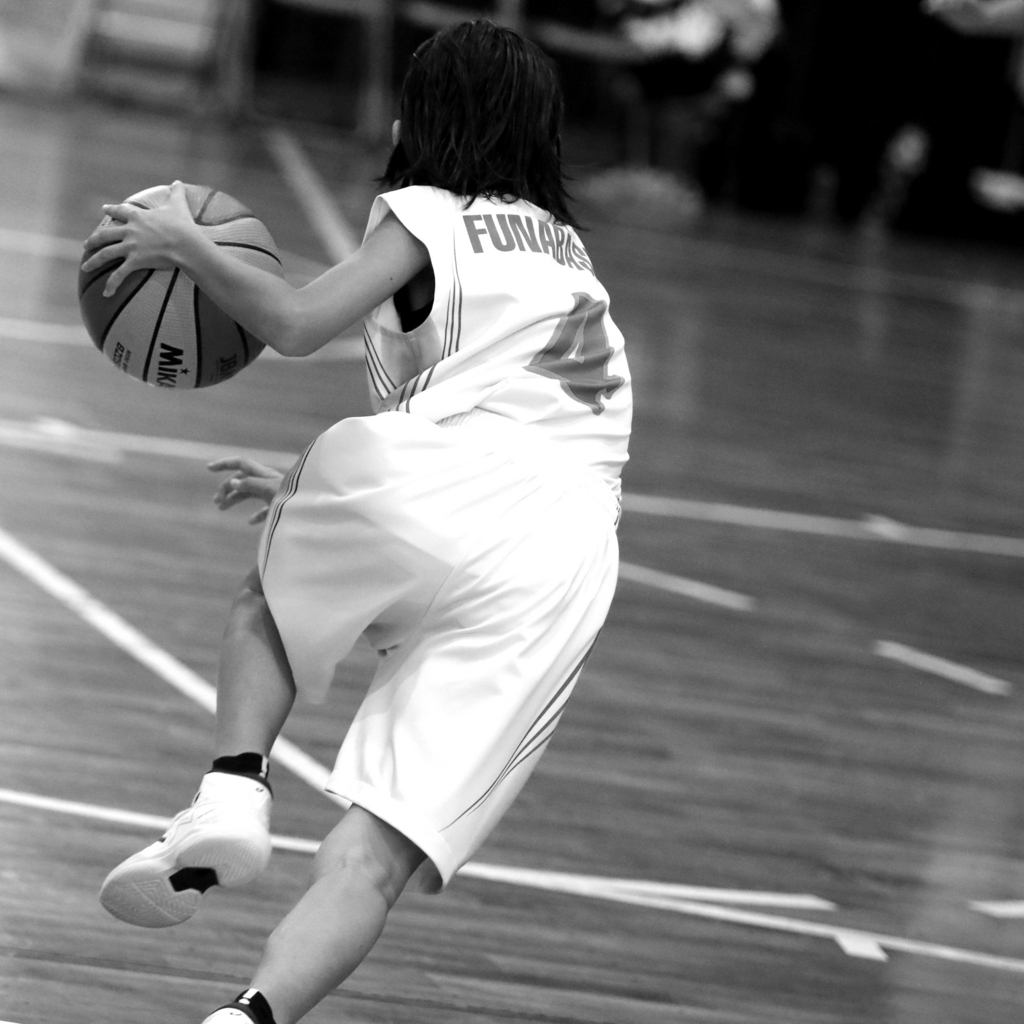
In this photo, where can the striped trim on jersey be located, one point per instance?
(536, 736)
(408, 391)
(382, 383)
(289, 486)
(453, 321)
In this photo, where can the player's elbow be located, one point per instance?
(293, 342)
(294, 330)
(284, 331)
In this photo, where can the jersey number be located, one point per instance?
(577, 355)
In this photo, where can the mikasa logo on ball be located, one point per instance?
(169, 367)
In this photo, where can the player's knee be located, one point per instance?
(372, 855)
(250, 597)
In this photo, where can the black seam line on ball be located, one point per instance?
(230, 219)
(199, 335)
(135, 291)
(245, 343)
(206, 202)
(159, 322)
(249, 245)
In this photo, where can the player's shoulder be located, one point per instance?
(424, 211)
(423, 196)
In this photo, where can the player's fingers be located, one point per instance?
(116, 278)
(102, 257)
(231, 500)
(242, 463)
(258, 517)
(230, 485)
(241, 487)
(97, 259)
(96, 256)
(123, 212)
(107, 233)
(179, 197)
(255, 487)
(227, 497)
(230, 462)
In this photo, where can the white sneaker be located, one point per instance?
(223, 838)
(228, 1015)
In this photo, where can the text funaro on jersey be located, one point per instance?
(507, 232)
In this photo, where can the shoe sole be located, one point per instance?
(140, 891)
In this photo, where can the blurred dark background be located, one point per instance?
(863, 113)
(859, 111)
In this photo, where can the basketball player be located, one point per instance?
(467, 529)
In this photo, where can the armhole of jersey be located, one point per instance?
(384, 204)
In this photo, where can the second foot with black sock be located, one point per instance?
(250, 765)
(249, 1005)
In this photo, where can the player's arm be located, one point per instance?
(980, 17)
(292, 321)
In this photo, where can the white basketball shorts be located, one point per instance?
(482, 574)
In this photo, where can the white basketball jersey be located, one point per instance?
(519, 327)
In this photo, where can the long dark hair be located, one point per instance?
(481, 115)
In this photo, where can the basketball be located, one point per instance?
(158, 326)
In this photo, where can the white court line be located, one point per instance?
(857, 944)
(705, 592)
(1005, 909)
(869, 945)
(336, 234)
(31, 243)
(346, 348)
(68, 438)
(626, 890)
(119, 817)
(52, 436)
(138, 646)
(40, 333)
(61, 437)
(876, 528)
(619, 889)
(943, 668)
(653, 895)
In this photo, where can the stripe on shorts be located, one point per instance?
(288, 489)
(537, 735)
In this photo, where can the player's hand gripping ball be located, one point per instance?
(158, 326)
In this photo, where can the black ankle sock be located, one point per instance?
(249, 764)
(254, 1005)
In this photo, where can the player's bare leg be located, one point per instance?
(255, 689)
(223, 838)
(359, 873)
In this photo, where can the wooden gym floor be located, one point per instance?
(789, 787)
